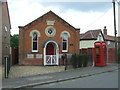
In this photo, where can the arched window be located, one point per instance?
(35, 42)
(64, 42)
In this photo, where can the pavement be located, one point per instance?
(41, 79)
(1, 72)
(17, 71)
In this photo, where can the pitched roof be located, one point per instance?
(118, 38)
(90, 35)
(50, 12)
(109, 38)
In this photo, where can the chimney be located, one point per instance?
(105, 30)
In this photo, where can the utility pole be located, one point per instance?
(115, 31)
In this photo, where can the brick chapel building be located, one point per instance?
(44, 40)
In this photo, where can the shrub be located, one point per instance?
(74, 60)
(79, 60)
(84, 60)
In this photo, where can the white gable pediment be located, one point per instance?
(100, 37)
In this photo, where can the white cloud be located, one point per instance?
(90, 20)
(23, 12)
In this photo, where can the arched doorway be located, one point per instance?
(51, 53)
(50, 49)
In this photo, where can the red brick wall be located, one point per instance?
(25, 41)
(111, 55)
(14, 56)
(90, 53)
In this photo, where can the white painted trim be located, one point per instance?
(64, 50)
(44, 56)
(37, 44)
(46, 31)
(65, 32)
(5, 28)
(62, 45)
(34, 50)
(53, 42)
(31, 33)
(57, 53)
(50, 22)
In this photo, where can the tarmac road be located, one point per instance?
(104, 80)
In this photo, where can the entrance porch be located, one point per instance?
(51, 53)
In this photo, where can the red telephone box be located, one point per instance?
(100, 53)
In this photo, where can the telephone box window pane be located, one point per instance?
(97, 51)
(34, 45)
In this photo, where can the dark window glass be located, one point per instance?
(35, 37)
(64, 45)
(35, 41)
(34, 45)
(64, 41)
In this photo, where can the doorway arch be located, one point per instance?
(50, 49)
(51, 52)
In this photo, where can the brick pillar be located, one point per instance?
(21, 45)
(77, 41)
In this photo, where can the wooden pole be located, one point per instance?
(115, 31)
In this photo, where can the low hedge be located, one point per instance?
(79, 60)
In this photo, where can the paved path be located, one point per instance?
(1, 72)
(56, 76)
(22, 71)
(1, 77)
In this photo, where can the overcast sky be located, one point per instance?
(83, 15)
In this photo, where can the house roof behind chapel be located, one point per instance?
(90, 35)
(109, 38)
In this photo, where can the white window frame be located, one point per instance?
(36, 41)
(67, 45)
(108, 42)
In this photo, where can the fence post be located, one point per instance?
(7, 66)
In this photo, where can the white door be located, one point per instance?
(51, 56)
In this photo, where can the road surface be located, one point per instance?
(104, 80)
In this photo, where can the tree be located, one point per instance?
(14, 41)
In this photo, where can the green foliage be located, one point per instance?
(84, 60)
(14, 41)
(74, 60)
(79, 60)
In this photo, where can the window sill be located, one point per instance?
(64, 50)
(34, 50)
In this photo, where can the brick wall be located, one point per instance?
(14, 56)
(25, 42)
(5, 34)
(90, 55)
(111, 55)
(0, 33)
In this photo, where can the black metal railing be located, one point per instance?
(7, 66)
